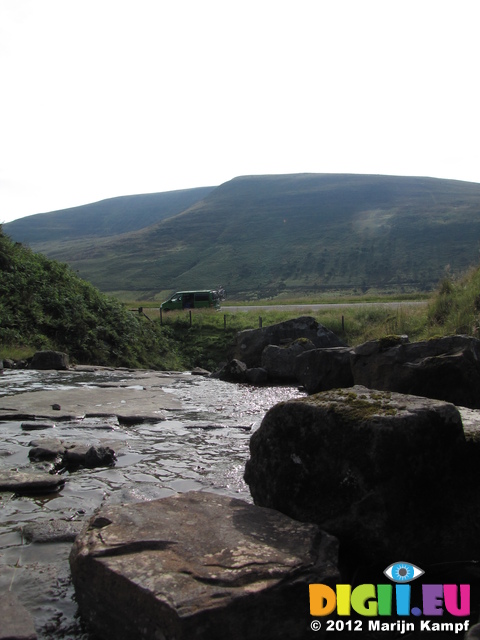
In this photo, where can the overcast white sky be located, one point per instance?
(101, 98)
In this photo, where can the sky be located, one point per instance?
(103, 98)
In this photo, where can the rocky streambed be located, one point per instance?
(171, 433)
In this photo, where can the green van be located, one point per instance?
(205, 298)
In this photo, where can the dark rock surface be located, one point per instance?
(442, 368)
(233, 371)
(251, 343)
(324, 369)
(279, 361)
(384, 472)
(50, 360)
(199, 565)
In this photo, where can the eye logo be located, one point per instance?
(403, 572)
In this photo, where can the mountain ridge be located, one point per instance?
(262, 235)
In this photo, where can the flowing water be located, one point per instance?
(201, 446)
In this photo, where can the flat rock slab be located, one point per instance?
(26, 483)
(15, 621)
(145, 403)
(199, 566)
(52, 531)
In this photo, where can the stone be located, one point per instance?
(383, 472)
(86, 455)
(27, 483)
(16, 623)
(279, 361)
(46, 449)
(36, 426)
(251, 342)
(52, 531)
(198, 565)
(233, 371)
(50, 360)
(256, 375)
(324, 369)
(442, 368)
(198, 371)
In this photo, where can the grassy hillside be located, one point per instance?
(102, 219)
(45, 305)
(260, 236)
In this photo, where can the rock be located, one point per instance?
(251, 343)
(198, 371)
(256, 375)
(233, 371)
(89, 456)
(36, 426)
(442, 368)
(383, 472)
(198, 565)
(324, 369)
(9, 364)
(26, 483)
(279, 361)
(49, 360)
(16, 622)
(52, 531)
(46, 449)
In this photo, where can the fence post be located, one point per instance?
(343, 323)
(161, 317)
(260, 322)
(224, 321)
(190, 314)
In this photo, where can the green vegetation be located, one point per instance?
(272, 237)
(44, 304)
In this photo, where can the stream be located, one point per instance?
(201, 446)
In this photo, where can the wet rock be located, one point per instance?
(49, 360)
(324, 369)
(198, 565)
(198, 371)
(36, 426)
(251, 343)
(52, 531)
(233, 371)
(46, 449)
(279, 361)
(386, 473)
(442, 368)
(256, 375)
(26, 483)
(16, 622)
(89, 456)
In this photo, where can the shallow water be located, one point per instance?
(202, 446)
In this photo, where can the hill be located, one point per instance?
(307, 233)
(45, 305)
(105, 218)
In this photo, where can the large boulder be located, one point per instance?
(251, 342)
(442, 368)
(199, 566)
(324, 369)
(50, 360)
(279, 361)
(384, 472)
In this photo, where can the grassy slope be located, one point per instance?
(261, 235)
(102, 219)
